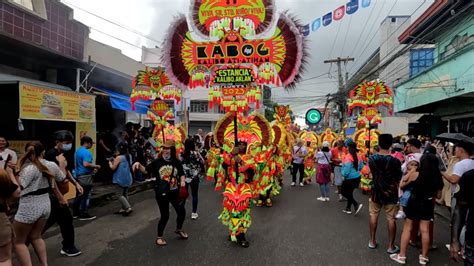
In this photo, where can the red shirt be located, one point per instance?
(337, 154)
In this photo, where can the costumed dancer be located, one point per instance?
(273, 163)
(238, 171)
(309, 169)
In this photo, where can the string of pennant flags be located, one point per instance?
(350, 8)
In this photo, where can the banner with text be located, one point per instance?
(48, 104)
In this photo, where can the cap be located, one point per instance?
(168, 144)
(349, 141)
(326, 144)
(397, 147)
(413, 157)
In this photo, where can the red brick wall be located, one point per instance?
(57, 33)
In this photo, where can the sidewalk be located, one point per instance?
(103, 193)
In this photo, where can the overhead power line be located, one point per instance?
(113, 22)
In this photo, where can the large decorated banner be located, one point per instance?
(49, 104)
(230, 56)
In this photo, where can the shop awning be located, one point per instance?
(122, 102)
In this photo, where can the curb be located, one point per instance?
(102, 199)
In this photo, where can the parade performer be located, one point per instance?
(236, 169)
(272, 166)
(312, 144)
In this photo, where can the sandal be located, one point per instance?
(160, 241)
(182, 234)
(393, 250)
(398, 258)
(372, 246)
(423, 260)
(127, 212)
(120, 212)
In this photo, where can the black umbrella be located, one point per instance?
(455, 137)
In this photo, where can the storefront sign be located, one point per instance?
(48, 104)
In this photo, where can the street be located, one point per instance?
(297, 230)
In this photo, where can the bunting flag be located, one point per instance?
(338, 14)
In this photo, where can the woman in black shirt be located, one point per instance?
(169, 174)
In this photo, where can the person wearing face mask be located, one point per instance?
(169, 174)
(60, 212)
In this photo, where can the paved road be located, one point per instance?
(298, 230)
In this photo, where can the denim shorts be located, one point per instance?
(405, 198)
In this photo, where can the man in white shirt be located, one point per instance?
(463, 151)
(299, 153)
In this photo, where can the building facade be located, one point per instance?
(444, 89)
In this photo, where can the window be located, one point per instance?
(36, 7)
(394, 20)
(421, 59)
(199, 107)
(25, 3)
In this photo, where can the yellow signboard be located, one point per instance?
(48, 104)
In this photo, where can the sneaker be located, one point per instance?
(398, 258)
(301, 184)
(358, 209)
(293, 184)
(86, 217)
(341, 198)
(347, 211)
(194, 216)
(337, 192)
(321, 199)
(393, 250)
(423, 260)
(400, 215)
(70, 252)
(326, 199)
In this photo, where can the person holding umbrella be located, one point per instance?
(464, 151)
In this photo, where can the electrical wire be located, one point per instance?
(363, 28)
(396, 30)
(113, 22)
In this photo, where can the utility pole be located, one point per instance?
(341, 90)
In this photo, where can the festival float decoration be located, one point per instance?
(282, 114)
(159, 113)
(369, 96)
(152, 83)
(329, 136)
(233, 59)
